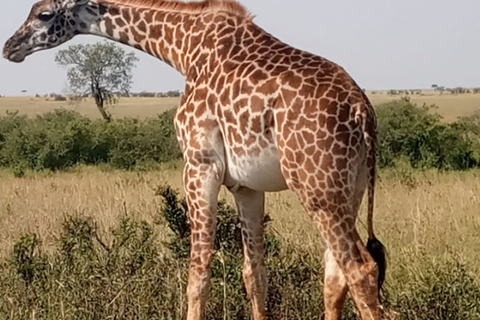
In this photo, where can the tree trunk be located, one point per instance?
(105, 114)
(99, 101)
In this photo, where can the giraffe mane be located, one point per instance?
(230, 6)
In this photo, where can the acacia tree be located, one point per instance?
(103, 70)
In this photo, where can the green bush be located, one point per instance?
(56, 140)
(62, 139)
(9, 123)
(407, 131)
(470, 129)
(138, 142)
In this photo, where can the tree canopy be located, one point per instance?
(103, 70)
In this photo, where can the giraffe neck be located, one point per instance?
(166, 35)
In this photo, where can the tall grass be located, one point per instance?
(96, 246)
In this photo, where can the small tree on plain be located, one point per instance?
(102, 70)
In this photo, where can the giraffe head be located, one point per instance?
(49, 24)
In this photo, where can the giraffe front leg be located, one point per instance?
(251, 207)
(202, 184)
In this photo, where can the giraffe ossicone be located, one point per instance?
(258, 115)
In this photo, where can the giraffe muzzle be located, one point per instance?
(13, 50)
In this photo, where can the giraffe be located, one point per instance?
(257, 116)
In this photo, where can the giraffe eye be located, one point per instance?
(45, 16)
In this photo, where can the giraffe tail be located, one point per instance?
(377, 251)
(374, 246)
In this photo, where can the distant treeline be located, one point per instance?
(177, 93)
(62, 139)
(143, 94)
(440, 89)
(146, 94)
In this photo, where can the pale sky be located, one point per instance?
(383, 44)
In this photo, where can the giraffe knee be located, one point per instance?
(365, 274)
(333, 272)
(370, 271)
(364, 287)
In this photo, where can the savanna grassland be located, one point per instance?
(422, 216)
(450, 106)
(428, 219)
(127, 107)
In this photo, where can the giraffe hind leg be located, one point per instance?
(335, 288)
(354, 261)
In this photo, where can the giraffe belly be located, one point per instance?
(257, 172)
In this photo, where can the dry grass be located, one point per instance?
(40, 201)
(450, 106)
(127, 107)
(419, 216)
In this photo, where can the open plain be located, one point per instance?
(450, 106)
(424, 217)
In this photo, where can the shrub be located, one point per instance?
(60, 98)
(417, 134)
(9, 123)
(137, 142)
(55, 140)
(26, 262)
(62, 139)
(469, 127)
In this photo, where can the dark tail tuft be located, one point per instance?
(378, 252)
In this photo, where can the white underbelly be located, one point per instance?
(257, 172)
